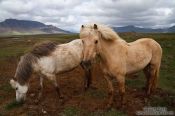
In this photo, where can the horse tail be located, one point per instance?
(158, 68)
(155, 81)
(158, 56)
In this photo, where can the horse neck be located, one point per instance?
(78, 48)
(20, 80)
(106, 48)
(25, 68)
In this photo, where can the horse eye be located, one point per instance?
(96, 41)
(16, 88)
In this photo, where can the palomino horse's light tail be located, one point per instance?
(152, 74)
(155, 79)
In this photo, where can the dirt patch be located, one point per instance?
(71, 85)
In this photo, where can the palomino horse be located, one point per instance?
(119, 58)
(48, 59)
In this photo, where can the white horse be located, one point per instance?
(49, 59)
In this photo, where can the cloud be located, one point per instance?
(68, 14)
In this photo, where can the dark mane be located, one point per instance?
(24, 69)
(43, 48)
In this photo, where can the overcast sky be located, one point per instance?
(70, 14)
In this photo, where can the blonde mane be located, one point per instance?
(106, 32)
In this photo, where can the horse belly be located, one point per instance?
(66, 66)
(137, 65)
(47, 65)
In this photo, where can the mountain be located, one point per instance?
(171, 29)
(26, 27)
(132, 28)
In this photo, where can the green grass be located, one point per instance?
(6, 87)
(137, 82)
(1, 97)
(160, 101)
(163, 101)
(13, 105)
(74, 111)
(71, 111)
(12, 51)
(96, 93)
(113, 112)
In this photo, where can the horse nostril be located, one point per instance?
(96, 41)
(86, 62)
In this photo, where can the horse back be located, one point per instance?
(141, 52)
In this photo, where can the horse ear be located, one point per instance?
(82, 26)
(95, 26)
(13, 83)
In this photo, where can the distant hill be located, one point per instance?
(26, 27)
(132, 28)
(171, 29)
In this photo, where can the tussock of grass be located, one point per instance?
(71, 111)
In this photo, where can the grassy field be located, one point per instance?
(11, 48)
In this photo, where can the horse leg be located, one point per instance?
(88, 74)
(41, 87)
(155, 74)
(88, 77)
(54, 80)
(146, 71)
(111, 91)
(121, 83)
(152, 79)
